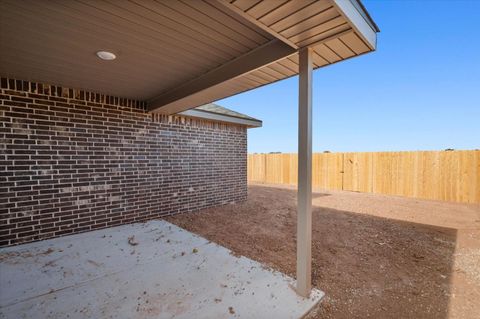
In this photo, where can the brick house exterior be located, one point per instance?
(74, 161)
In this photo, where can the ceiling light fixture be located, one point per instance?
(105, 55)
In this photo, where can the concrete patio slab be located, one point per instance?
(144, 270)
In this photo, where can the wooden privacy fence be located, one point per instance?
(440, 175)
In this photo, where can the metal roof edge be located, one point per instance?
(366, 15)
(250, 123)
(354, 12)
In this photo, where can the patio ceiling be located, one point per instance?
(176, 54)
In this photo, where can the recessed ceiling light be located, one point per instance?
(105, 55)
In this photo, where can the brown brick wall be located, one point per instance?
(73, 161)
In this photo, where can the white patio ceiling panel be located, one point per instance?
(165, 49)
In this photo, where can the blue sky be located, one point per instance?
(419, 91)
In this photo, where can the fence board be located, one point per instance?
(440, 175)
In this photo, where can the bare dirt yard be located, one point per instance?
(373, 255)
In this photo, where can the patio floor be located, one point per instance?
(144, 270)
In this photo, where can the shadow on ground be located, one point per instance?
(368, 266)
(319, 195)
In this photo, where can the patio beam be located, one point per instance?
(265, 54)
(304, 196)
(242, 15)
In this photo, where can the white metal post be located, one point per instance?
(304, 196)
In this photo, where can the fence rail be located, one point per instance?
(439, 175)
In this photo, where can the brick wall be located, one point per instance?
(74, 161)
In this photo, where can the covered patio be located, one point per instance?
(173, 56)
(143, 270)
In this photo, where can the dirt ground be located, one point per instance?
(373, 255)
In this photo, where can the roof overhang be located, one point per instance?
(176, 55)
(250, 123)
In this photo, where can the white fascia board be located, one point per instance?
(357, 20)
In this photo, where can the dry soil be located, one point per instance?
(373, 255)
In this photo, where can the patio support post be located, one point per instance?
(304, 195)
